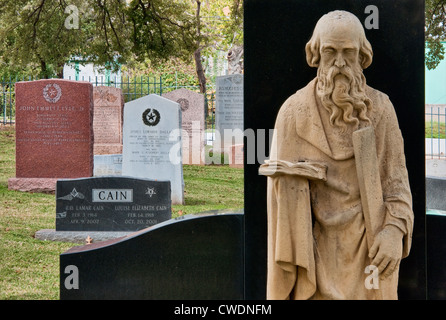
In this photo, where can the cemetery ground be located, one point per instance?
(29, 268)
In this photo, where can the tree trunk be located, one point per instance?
(200, 71)
(235, 62)
(43, 69)
(60, 70)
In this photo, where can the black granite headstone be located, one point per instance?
(435, 193)
(436, 237)
(111, 204)
(190, 257)
(275, 34)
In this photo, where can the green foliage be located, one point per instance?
(36, 40)
(38, 34)
(435, 32)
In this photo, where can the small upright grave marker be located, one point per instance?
(192, 123)
(229, 111)
(107, 120)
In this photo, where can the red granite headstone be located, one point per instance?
(107, 120)
(54, 133)
(192, 124)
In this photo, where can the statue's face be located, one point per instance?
(339, 46)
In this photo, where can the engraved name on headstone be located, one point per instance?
(152, 142)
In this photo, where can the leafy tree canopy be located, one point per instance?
(435, 32)
(44, 34)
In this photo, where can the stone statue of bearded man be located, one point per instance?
(321, 243)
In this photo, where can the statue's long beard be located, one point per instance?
(342, 92)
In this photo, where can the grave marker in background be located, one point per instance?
(54, 133)
(229, 111)
(107, 165)
(193, 123)
(107, 120)
(236, 156)
(152, 142)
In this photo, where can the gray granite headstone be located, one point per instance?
(193, 123)
(107, 165)
(152, 142)
(229, 111)
(111, 204)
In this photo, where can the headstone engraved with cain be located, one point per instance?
(107, 120)
(54, 133)
(111, 204)
(152, 142)
(192, 123)
(229, 111)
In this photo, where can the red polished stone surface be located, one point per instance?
(54, 129)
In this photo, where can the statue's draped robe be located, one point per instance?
(317, 246)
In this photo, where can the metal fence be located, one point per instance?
(435, 116)
(136, 87)
(132, 88)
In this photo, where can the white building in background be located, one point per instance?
(82, 70)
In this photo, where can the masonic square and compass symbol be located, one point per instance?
(151, 117)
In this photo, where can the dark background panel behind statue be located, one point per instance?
(275, 67)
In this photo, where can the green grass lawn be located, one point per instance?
(29, 268)
(435, 130)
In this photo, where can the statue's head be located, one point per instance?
(343, 29)
(340, 51)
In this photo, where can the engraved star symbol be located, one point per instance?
(152, 117)
(150, 191)
(52, 92)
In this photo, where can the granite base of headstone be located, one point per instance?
(54, 133)
(80, 237)
(190, 257)
(40, 185)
